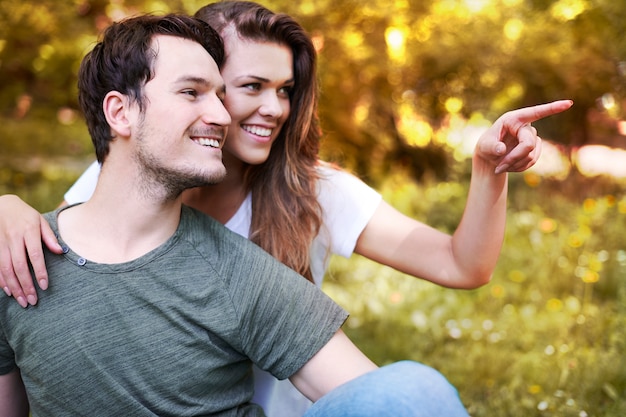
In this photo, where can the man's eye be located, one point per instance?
(191, 93)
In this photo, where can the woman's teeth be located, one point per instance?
(256, 130)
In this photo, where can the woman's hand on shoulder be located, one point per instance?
(22, 231)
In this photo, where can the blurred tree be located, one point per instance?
(392, 72)
(41, 43)
(464, 58)
(362, 85)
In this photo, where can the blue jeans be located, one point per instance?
(402, 389)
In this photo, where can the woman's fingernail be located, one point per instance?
(502, 168)
(21, 301)
(43, 284)
(7, 291)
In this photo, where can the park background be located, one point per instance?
(406, 88)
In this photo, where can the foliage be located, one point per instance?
(545, 338)
(40, 160)
(389, 70)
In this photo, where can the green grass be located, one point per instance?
(547, 337)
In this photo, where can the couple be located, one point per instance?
(133, 183)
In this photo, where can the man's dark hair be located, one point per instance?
(123, 61)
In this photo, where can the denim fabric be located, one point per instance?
(402, 389)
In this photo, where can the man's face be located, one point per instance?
(181, 131)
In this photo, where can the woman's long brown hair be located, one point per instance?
(286, 215)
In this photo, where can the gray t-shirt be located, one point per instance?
(172, 333)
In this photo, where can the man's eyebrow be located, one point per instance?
(192, 79)
(201, 81)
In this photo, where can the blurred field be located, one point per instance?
(547, 337)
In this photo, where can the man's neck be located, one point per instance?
(119, 223)
(220, 201)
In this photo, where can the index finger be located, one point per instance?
(531, 114)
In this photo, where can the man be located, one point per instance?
(156, 309)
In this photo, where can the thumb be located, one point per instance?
(490, 145)
(499, 149)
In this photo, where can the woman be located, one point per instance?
(301, 211)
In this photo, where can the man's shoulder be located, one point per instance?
(207, 228)
(226, 250)
(205, 232)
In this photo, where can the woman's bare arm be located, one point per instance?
(467, 258)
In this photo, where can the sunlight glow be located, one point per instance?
(416, 132)
(353, 40)
(115, 12)
(396, 43)
(593, 160)
(507, 95)
(554, 163)
(473, 6)
(361, 112)
(568, 9)
(607, 101)
(453, 105)
(307, 7)
(463, 135)
(157, 6)
(46, 51)
(513, 29)
(476, 6)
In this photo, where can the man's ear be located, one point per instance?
(116, 107)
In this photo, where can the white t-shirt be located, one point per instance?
(347, 204)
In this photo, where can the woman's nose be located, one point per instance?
(272, 105)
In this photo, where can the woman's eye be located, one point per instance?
(192, 93)
(285, 91)
(252, 86)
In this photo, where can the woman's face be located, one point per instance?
(259, 79)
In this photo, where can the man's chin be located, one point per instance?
(207, 179)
